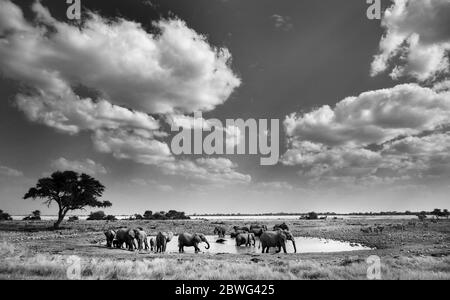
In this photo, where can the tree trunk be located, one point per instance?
(61, 215)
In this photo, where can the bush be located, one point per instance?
(162, 215)
(148, 215)
(35, 216)
(312, 216)
(73, 218)
(110, 218)
(96, 216)
(5, 216)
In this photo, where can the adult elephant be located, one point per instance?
(162, 238)
(281, 226)
(141, 238)
(246, 239)
(276, 239)
(258, 226)
(220, 231)
(110, 235)
(258, 230)
(241, 228)
(237, 232)
(191, 240)
(127, 236)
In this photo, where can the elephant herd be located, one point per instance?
(277, 237)
(137, 239)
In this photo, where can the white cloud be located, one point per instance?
(417, 39)
(210, 170)
(87, 166)
(380, 137)
(9, 172)
(373, 117)
(176, 70)
(126, 144)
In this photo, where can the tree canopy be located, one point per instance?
(70, 191)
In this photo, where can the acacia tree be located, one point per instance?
(70, 191)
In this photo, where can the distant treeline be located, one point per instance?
(148, 215)
(438, 212)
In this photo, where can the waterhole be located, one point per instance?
(304, 245)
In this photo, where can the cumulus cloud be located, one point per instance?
(379, 137)
(373, 117)
(87, 166)
(416, 41)
(134, 73)
(174, 70)
(9, 172)
(137, 146)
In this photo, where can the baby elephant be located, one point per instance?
(247, 239)
(162, 238)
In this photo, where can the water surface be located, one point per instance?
(304, 245)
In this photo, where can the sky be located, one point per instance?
(363, 105)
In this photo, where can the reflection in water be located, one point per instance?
(304, 245)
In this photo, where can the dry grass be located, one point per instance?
(20, 265)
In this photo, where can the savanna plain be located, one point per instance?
(407, 250)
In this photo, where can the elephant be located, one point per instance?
(152, 244)
(237, 232)
(239, 228)
(245, 239)
(282, 226)
(276, 239)
(127, 236)
(141, 238)
(220, 231)
(191, 240)
(258, 226)
(110, 235)
(162, 238)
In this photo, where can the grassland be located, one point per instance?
(31, 250)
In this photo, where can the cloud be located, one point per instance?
(379, 137)
(175, 70)
(211, 170)
(86, 166)
(416, 41)
(282, 22)
(373, 117)
(137, 146)
(134, 73)
(9, 172)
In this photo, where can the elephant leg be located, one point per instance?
(284, 248)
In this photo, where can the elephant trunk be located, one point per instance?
(295, 248)
(207, 244)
